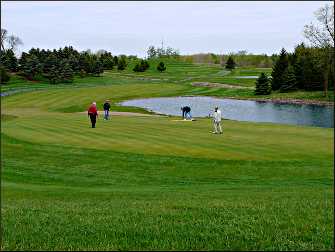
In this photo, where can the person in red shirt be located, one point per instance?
(93, 113)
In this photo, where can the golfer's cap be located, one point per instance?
(94, 103)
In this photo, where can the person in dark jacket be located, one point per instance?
(93, 113)
(106, 109)
(186, 112)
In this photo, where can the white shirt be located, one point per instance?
(217, 116)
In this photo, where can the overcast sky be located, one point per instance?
(130, 27)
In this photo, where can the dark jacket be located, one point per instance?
(107, 106)
(186, 109)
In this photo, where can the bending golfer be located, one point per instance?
(217, 121)
(186, 112)
(93, 113)
(106, 109)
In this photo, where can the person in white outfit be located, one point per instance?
(217, 121)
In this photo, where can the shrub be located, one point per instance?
(230, 63)
(161, 67)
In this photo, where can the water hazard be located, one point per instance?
(242, 110)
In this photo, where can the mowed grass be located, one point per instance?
(178, 73)
(151, 183)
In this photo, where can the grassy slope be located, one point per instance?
(152, 183)
(177, 72)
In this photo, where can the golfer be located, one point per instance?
(106, 109)
(93, 113)
(217, 121)
(186, 112)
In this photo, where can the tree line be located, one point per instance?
(59, 65)
(308, 67)
(304, 69)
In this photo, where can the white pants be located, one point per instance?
(217, 125)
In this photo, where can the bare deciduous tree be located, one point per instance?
(3, 38)
(322, 36)
(14, 42)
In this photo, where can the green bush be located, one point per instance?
(161, 67)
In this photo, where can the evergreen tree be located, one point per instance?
(115, 60)
(22, 61)
(278, 69)
(8, 60)
(54, 75)
(32, 68)
(161, 67)
(263, 86)
(74, 63)
(66, 73)
(4, 76)
(230, 63)
(299, 73)
(145, 65)
(50, 62)
(141, 67)
(137, 68)
(289, 80)
(98, 68)
(121, 65)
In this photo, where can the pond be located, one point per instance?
(241, 110)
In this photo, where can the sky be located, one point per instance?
(130, 27)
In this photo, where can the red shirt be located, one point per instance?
(92, 110)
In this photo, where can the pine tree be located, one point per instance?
(4, 76)
(66, 74)
(145, 65)
(289, 80)
(137, 68)
(98, 68)
(22, 61)
(161, 67)
(278, 69)
(263, 86)
(115, 60)
(8, 60)
(32, 68)
(230, 63)
(54, 75)
(121, 64)
(299, 73)
(49, 63)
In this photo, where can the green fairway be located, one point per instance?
(179, 74)
(152, 183)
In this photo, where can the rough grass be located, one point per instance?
(150, 183)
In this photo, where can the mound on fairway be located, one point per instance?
(146, 183)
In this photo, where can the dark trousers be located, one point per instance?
(93, 118)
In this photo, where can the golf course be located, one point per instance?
(150, 182)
